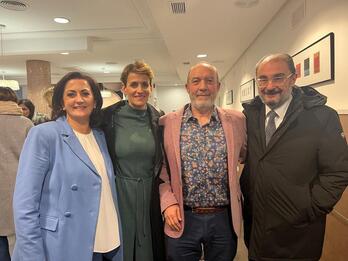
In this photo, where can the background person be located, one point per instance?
(65, 197)
(133, 137)
(297, 165)
(14, 129)
(28, 108)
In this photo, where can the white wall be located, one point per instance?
(321, 18)
(171, 98)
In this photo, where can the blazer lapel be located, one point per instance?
(176, 130)
(227, 126)
(72, 141)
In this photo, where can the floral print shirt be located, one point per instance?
(204, 162)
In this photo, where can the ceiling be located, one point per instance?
(105, 35)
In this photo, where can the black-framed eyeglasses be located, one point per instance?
(280, 79)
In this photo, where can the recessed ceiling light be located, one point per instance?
(106, 72)
(65, 53)
(61, 20)
(203, 55)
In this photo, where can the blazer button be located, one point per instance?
(74, 187)
(67, 214)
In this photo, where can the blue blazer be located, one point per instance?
(57, 195)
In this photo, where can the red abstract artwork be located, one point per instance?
(298, 70)
(317, 62)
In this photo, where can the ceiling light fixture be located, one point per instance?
(64, 53)
(14, 85)
(203, 55)
(18, 5)
(61, 20)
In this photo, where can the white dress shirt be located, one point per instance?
(281, 111)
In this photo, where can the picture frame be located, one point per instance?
(315, 64)
(247, 91)
(229, 97)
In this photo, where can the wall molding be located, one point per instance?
(344, 111)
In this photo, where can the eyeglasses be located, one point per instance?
(263, 81)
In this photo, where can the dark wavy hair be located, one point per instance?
(7, 94)
(58, 91)
(27, 103)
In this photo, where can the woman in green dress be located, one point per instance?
(133, 137)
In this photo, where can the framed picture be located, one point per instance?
(229, 97)
(315, 64)
(247, 91)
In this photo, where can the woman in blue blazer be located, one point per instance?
(65, 204)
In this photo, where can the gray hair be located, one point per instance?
(206, 64)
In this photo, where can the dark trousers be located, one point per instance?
(104, 256)
(4, 252)
(212, 231)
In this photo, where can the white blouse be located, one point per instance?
(107, 236)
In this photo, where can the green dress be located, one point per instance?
(135, 150)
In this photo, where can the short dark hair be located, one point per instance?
(138, 67)
(27, 103)
(58, 91)
(278, 56)
(7, 94)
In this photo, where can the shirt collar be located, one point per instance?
(281, 110)
(188, 115)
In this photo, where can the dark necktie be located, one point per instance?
(271, 127)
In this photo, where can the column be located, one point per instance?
(38, 80)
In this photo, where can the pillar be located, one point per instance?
(38, 80)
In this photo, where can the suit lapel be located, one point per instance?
(261, 129)
(292, 113)
(74, 144)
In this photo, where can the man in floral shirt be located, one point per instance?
(200, 194)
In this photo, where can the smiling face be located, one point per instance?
(202, 87)
(78, 101)
(137, 89)
(275, 82)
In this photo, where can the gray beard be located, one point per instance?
(203, 107)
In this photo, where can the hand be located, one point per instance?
(172, 217)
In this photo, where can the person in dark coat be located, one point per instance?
(134, 143)
(297, 165)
